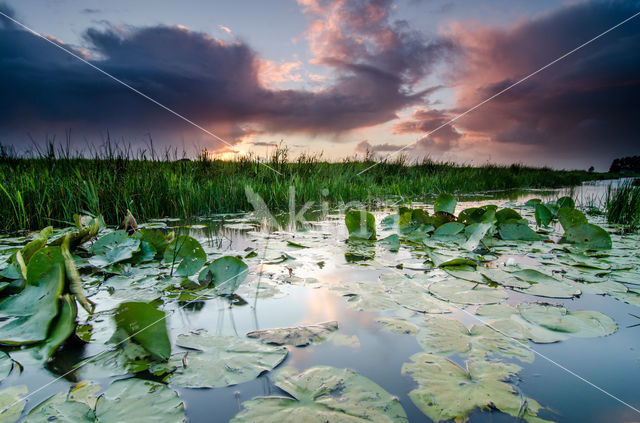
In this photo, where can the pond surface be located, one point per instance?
(289, 286)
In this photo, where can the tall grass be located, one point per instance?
(623, 205)
(50, 185)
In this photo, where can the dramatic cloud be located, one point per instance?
(219, 84)
(586, 105)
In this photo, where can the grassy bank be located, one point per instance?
(48, 190)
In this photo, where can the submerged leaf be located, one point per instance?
(324, 394)
(221, 360)
(298, 336)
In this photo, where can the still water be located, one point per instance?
(299, 291)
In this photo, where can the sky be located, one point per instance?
(332, 77)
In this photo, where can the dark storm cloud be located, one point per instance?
(205, 79)
(587, 104)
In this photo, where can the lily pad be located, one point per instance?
(57, 408)
(187, 254)
(360, 224)
(6, 365)
(62, 328)
(225, 273)
(543, 285)
(446, 336)
(126, 358)
(146, 325)
(324, 394)
(399, 325)
(447, 391)
(298, 336)
(221, 360)
(445, 203)
(475, 233)
(588, 235)
(25, 317)
(112, 248)
(578, 323)
(507, 215)
(465, 292)
(517, 232)
(137, 400)
(451, 228)
(543, 215)
(569, 217)
(12, 403)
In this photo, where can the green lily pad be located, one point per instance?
(566, 202)
(187, 254)
(445, 203)
(27, 315)
(446, 336)
(569, 217)
(12, 403)
(360, 224)
(146, 325)
(57, 408)
(517, 232)
(507, 215)
(588, 235)
(465, 292)
(126, 358)
(475, 233)
(398, 325)
(225, 273)
(451, 228)
(543, 215)
(112, 248)
(221, 360)
(578, 323)
(61, 328)
(157, 239)
(543, 285)
(6, 365)
(137, 400)
(447, 391)
(298, 336)
(324, 394)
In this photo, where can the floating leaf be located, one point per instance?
(445, 203)
(451, 228)
(360, 224)
(57, 408)
(508, 215)
(85, 392)
(126, 358)
(566, 202)
(112, 248)
(186, 253)
(543, 285)
(157, 239)
(324, 394)
(36, 244)
(221, 360)
(298, 336)
(399, 325)
(464, 292)
(475, 233)
(449, 336)
(146, 325)
(588, 235)
(579, 323)
(12, 403)
(61, 329)
(6, 365)
(446, 391)
(225, 273)
(569, 217)
(517, 232)
(137, 400)
(543, 215)
(25, 317)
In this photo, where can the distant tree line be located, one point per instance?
(626, 165)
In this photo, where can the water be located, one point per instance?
(612, 363)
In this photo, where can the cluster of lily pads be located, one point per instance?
(439, 263)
